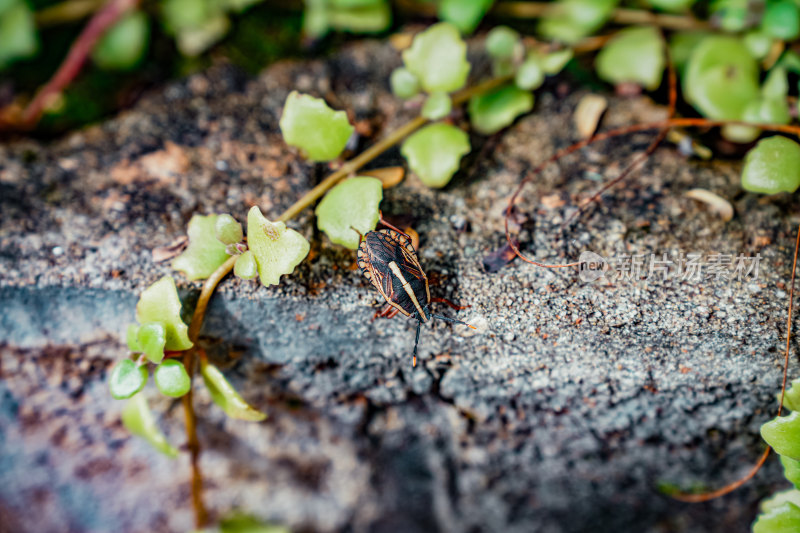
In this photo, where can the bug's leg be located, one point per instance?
(448, 302)
(385, 223)
(416, 342)
(448, 319)
(388, 311)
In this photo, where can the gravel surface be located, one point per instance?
(562, 413)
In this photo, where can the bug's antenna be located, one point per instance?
(448, 319)
(416, 342)
(360, 236)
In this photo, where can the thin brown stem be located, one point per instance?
(67, 11)
(529, 10)
(193, 444)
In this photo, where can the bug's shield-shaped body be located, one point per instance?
(390, 263)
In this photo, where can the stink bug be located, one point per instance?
(388, 260)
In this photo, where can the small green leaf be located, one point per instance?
(634, 55)
(435, 152)
(772, 166)
(502, 42)
(226, 396)
(277, 249)
(782, 519)
(18, 38)
(361, 19)
(681, 46)
(240, 523)
(781, 20)
(137, 417)
(245, 266)
(351, 205)
(464, 15)
(123, 46)
(779, 498)
(438, 58)
(130, 338)
(530, 75)
(181, 14)
(404, 83)
(160, 303)
(721, 78)
(126, 379)
(791, 469)
(205, 252)
(731, 15)
(783, 434)
(172, 379)
(571, 20)
(776, 85)
(436, 106)
(554, 62)
(792, 398)
(354, 202)
(493, 111)
(227, 230)
(317, 130)
(758, 44)
(760, 111)
(195, 40)
(673, 6)
(152, 337)
(790, 60)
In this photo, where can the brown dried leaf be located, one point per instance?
(162, 253)
(389, 176)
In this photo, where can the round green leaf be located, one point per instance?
(791, 469)
(721, 78)
(493, 111)
(571, 20)
(352, 203)
(760, 111)
(501, 42)
(404, 83)
(758, 44)
(435, 152)
(781, 20)
(783, 434)
(530, 75)
(127, 379)
(245, 266)
(731, 15)
(224, 395)
(681, 46)
(152, 337)
(463, 15)
(436, 106)
(195, 40)
(17, 34)
(554, 62)
(360, 19)
(227, 230)
(160, 303)
(317, 130)
(438, 58)
(776, 85)
(123, 46)
(791, 400)
(137, 417)
(633, 55)
(205, 252)
(782, 519)
(772, 166)
(277, 249)
(172, 379)
(673, 6)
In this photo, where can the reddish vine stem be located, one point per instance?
(76, 57)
